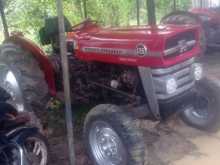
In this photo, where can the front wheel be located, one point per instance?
(113, 137)
(204, 113)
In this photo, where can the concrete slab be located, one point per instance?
(177, 144)
(208, 145)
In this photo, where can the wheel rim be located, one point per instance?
(10, 83)
(107, 147)
(200, 108)
(36, 151)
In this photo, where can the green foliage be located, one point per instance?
(28, 15)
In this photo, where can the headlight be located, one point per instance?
(171, 86)
(198, 71)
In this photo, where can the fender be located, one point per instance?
(41, 57)
(19, 134)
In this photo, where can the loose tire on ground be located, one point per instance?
(209, 89)
(33, 89)
(125, 127)
(183, 18)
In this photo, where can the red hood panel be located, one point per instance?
(120, 45)
(134, 33)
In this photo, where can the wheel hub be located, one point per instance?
(36, 152)
(201, 107)
(10, 84)
(106, 145)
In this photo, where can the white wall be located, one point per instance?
(205, 3)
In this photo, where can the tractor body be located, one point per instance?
(135, 72)
(139, 66)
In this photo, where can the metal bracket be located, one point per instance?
(147, 82)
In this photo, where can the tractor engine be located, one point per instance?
(115, 83)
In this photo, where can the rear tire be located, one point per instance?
(183, 18)
(127, 140)
(31, 91)
(206, 115)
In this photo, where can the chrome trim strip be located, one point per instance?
(119, 52)
(178, 47)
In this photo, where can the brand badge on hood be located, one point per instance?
(141, 50)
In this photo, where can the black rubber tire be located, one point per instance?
(210, 89)
(30, 78)
(43, 140)
(126, 126)
(182, 18)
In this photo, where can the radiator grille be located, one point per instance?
(182, 73)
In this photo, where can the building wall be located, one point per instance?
(205, 3)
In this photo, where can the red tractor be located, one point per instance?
(146, 72)
(207, 18)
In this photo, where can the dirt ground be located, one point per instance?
(171, 143)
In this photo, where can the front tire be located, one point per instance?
(204, 114)
(113, 137)
(23, 79)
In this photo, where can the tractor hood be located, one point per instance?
(143, 45)
(136, 33)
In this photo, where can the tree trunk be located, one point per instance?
(85, 8)
(4, 21)
(138, 11)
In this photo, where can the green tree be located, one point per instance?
(28, 15)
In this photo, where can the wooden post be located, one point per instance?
(4, 21)
(65, 68)
(138, 11)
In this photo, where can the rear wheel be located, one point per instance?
(204, 113)
(113, 137)
(22, 78)
(184, 18)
